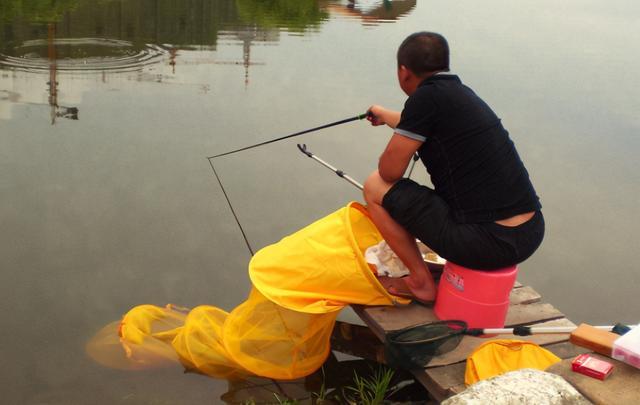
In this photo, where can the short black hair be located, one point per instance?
(423, 52)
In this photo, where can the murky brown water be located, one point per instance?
(109, 109)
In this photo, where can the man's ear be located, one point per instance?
(405, 79)
(403, 74)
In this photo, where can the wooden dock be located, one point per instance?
(443, 376)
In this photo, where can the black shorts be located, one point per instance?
(482, 246)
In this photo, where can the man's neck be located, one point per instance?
(415, 80)
(434, 73)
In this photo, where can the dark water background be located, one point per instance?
(119, 207)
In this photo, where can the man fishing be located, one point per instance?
(483, 212)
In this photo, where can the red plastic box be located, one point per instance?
(588, 365)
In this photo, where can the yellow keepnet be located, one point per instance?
(321, 268)
(282, 330)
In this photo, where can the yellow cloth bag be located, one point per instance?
(499, 356)
(282, 330)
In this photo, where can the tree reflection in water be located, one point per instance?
(188, 25)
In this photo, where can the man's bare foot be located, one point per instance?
(401, 287)
(424, 289)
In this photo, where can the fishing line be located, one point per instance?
(210, 158)
(244, 235)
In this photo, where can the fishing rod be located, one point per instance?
(303, 149)
(306, 131)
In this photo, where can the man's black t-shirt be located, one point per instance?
(472, 162)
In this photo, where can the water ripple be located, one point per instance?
(82, 55)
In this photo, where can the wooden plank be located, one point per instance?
(357, 340)
(386, 318)
(469, 343)
(524, 295)
(382, 319)
(457, 389)
(444, 375)
(565, 350)
(447, 371)
(438, 392)
(621, 387)
(360, 341)
(449, 380)
(531, 313)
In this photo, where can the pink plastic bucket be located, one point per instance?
(480, 298)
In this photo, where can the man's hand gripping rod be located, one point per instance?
(340, 173)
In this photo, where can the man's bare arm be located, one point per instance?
(396, 157)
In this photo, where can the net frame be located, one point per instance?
(414, 346)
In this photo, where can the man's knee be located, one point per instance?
(375, 188)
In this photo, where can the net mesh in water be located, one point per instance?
(413, 347)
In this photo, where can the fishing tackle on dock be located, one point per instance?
(414, 346)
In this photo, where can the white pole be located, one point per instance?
(340, 173)
(544, 329)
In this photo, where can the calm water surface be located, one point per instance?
(109, 109)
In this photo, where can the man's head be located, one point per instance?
(420, 55)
